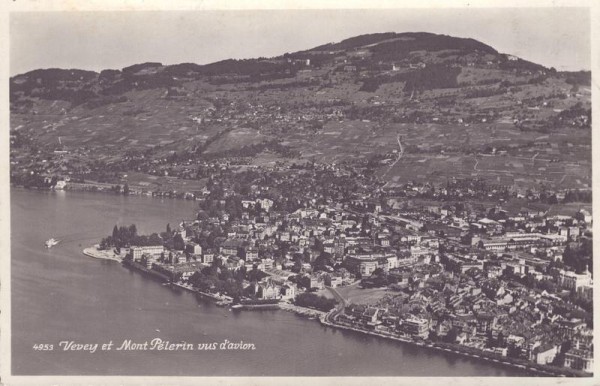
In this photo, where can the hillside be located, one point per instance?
(453, 107)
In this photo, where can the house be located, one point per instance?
(193, 248)
(580, 360)
(288, 291)
(370, 315)
(333, 281)
(208, 256)
(569, 328)
(485, 322)
(544, 354)
(415, 326)
(251, 253)
(317, 281)
(267, 290)
(235, 262)
(363, 264)
(229, 248)
(572, 281)
(152, 250)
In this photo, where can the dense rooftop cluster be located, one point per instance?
(514, 283)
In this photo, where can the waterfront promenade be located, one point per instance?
(329, 320)
(102, 254)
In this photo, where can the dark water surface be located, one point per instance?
(59, 294)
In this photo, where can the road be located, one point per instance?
(337, 296)
(400, 154)
(533, 158)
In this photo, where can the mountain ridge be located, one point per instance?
(345, 43)
(337, 102)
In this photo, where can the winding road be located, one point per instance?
(400, 154)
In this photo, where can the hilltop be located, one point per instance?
(453, 107)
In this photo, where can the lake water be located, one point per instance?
(59, 294)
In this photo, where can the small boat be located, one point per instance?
(157, 330)
(51, 242)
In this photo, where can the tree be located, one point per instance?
(451, 336)
(178, 242)
(132, 231)
(154, 239)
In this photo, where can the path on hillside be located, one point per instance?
(400, 154)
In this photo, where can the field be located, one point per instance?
(439, 152)
(354, 294)
(341, 141)
(236, 139)
(146, 119)
(499, 153)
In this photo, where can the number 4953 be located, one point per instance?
(43, 347)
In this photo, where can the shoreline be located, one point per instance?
(206, 295)
(74, 187)
(96, 253)
(323, 318)
(505, 361)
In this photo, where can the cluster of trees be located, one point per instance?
(247, 67)
(484, 92)
(124, 236)
(522, 66)
(315, 301)
(105, 100)
(288, 73)
(579, 256)
(431, 77)
(254, 149)
(53, 84)
(219, 279)
(283, 86)
(547, 285)
(369, 112)
(422, 41)
(378, 279)
(32, 180)
(578, 77)
(89, 88)
(322, 261)
(578, 196)
(213, 206)
(576, 115)
(120, 189)
(356, 41)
